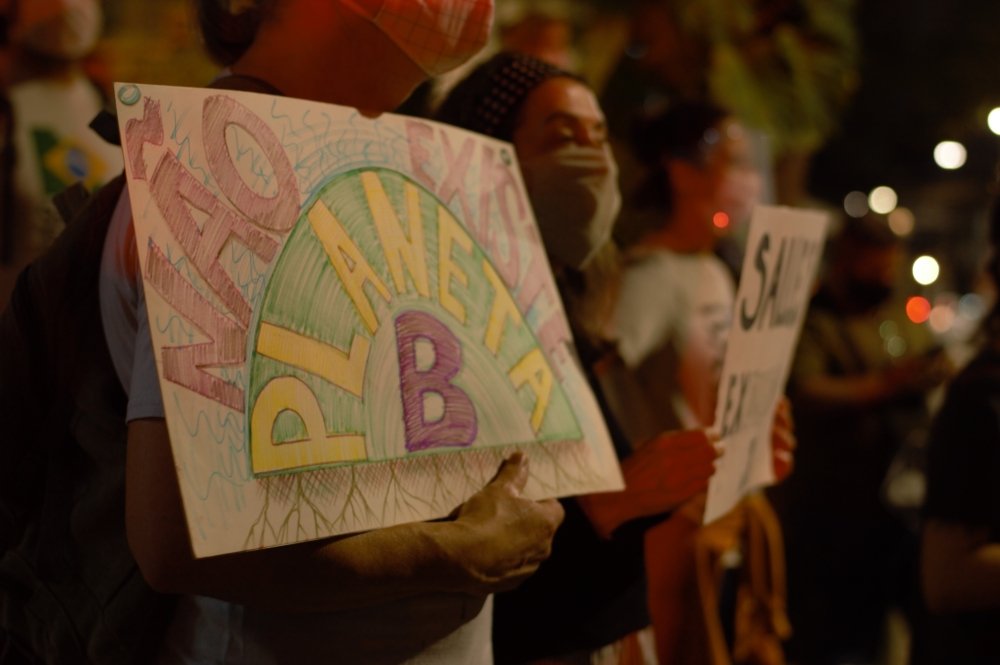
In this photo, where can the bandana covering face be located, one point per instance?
(574, 193)
(438, 35)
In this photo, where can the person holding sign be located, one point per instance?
(589, 599)
(71, 589)
(671, 322)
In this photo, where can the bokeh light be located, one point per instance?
(902, 221)
(895, 346)
(949, 155)
(856, 204)
(993, 121)
(926, 270)
(883, 200)
(918, 309)
(942, 317)
(720, 220)
(971, 306)
(888, 329)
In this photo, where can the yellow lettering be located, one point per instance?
(397, 248)
(503, 308)
(449, 233)
(346, 370)
(532, 370)
(350, 264)
(287, 393)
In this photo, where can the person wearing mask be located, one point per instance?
(960, 548)
(588, 602)
(77, 567)
(859, 381)
(52, 102)
(715, 592)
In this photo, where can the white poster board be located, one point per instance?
(784, 247)
(353, 319)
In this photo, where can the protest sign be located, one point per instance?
(353, 319)
(784, 247)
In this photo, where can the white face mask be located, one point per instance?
(574, 193)
(437, 35)
(66, 29)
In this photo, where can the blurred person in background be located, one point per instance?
(588, 602)
(859, 383)
(715, 592)
(960, 551)
(52, 101)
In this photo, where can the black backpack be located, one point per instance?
(70, 590)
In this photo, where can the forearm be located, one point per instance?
(332, 574)
(850, 392)
(960, 569)
(661, 475)
(338, 574)
(496, 541)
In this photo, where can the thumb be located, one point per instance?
(513, 473)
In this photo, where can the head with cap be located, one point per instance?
(332, 50)
(558, 130)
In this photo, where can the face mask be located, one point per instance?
(437, 35)
(574, 193)
(65, 29)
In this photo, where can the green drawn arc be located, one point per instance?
(305, 294)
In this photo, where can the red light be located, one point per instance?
(918, 309)
(721, 220)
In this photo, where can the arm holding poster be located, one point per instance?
(496, 540)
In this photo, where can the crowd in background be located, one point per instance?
(643, 163)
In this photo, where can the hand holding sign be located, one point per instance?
(659, 476)
(502, 537)
(783, 253)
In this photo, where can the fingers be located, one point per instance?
(513, 474)
(552, 511)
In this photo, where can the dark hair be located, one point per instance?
(489, 99)
(682, 131)
(227, 36)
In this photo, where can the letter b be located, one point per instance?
(457, 424)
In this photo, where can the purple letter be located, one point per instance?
(457, 424)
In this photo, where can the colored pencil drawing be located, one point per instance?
(353, 319)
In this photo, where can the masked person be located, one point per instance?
(71, 588)
(671, 322)
(588, 601)
(52, 101)
(859, 381)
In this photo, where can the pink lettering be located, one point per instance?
(185, 365)
(457, 169)
(140, 132)
(176, 192)
(417, 133)
(277, 213)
